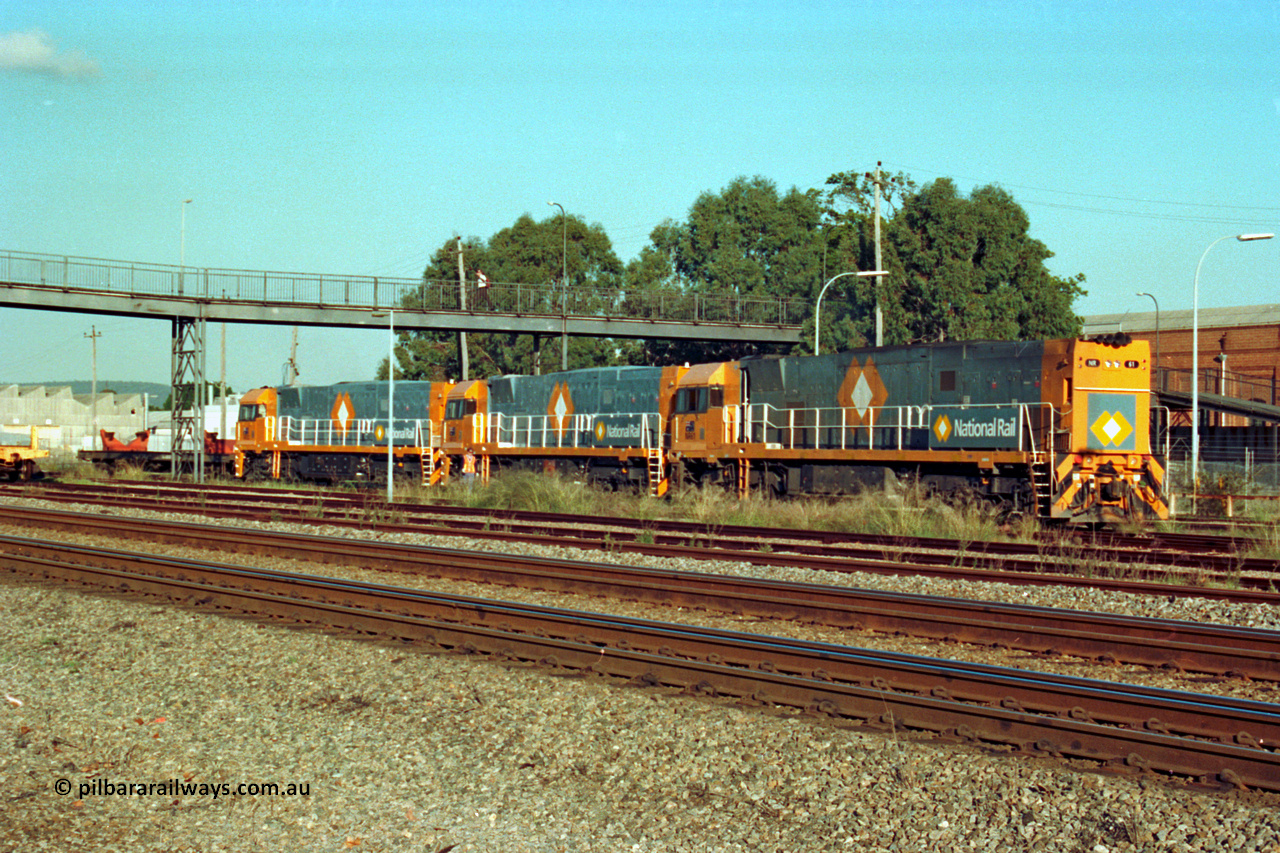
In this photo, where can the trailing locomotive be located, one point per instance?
(1057, 428)
(339, 432)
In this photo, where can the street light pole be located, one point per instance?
(817, 311)
(391, 397)
(1157, 304)
(1195, 359)
(564, 284)
(182, 245)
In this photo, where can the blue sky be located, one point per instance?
(356, 137)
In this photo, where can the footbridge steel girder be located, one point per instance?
(90, 286)
(187, 389)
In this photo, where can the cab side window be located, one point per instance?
(455, 409)
(692, 400)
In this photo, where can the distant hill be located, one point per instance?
(82, 386)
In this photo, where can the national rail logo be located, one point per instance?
(1112, 421)
(1111, 428)
(942, 428)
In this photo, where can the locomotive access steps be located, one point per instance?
(426, 457)
(657, 480)
(1042, 483)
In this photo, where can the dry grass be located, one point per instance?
(905, 512)
(909, 513)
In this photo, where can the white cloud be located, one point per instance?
(33, 52)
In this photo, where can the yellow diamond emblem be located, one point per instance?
(942, 428)
(1111, 428)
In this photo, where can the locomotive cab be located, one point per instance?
(254, 424)
(465, 408)
(257, 412)
(1104, 466)
(705, 410)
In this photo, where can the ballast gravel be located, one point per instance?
(393, 748)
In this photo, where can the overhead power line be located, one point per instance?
(1259, 211)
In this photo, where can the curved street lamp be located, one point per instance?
(182, 241)
(817, 311)
(1195, 359)
(182, 246)
(1157, 304)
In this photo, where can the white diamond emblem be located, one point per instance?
(862, 395)
(1112, 428)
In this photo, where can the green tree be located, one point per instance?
(747, 241)
(960, 268)
(534, 256)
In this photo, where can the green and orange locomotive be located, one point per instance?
(1059, 428)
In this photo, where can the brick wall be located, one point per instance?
(1252, 362)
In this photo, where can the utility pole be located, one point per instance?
(93, 336)
(462, 306)
(879, 266)
(291, 366)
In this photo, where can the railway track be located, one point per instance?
(1184, 646)
(1211, 739)
(1103, 566)
(1186, 548)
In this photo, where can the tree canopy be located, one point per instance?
(958, 268)
(528, 253)
(747, 241)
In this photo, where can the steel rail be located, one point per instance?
(1179, 645)
(1146, 558)
(1231, 739)
(836, 563)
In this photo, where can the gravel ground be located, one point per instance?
(397, 749)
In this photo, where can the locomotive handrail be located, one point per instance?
(761, 419)
(1044, 427)
(1166, 433)
(1031, 435)
(549, 431)
(890, 424)
(326, 432)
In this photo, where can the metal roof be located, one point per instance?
(1210, 318)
